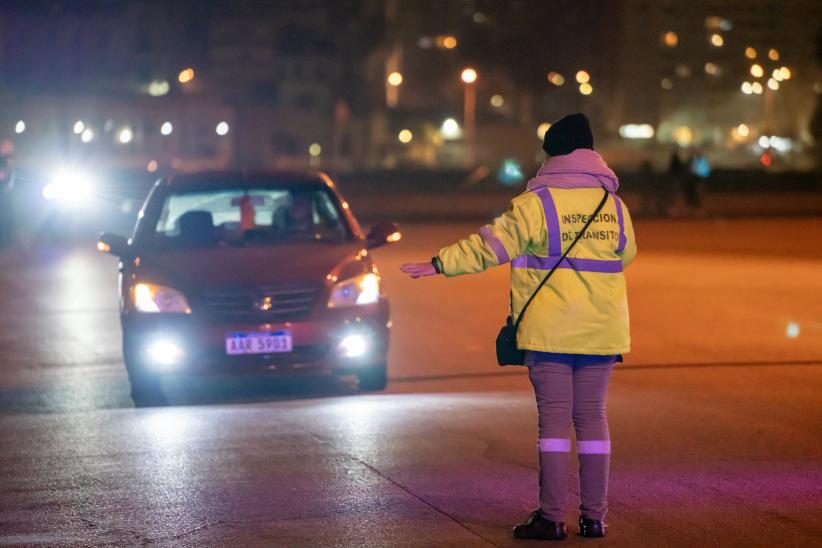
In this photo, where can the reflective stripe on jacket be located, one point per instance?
(583, 309)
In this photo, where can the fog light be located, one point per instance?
(164, 353)
(353, 346)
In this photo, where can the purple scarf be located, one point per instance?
(583, 168)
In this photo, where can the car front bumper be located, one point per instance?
(201, 347)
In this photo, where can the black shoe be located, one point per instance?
(538, 528)
(592, 527)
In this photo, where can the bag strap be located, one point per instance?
(550, 273)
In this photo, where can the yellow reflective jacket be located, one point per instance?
(583, 309)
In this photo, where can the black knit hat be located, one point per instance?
(568, 134)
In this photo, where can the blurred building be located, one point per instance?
(181, 87)
(653, 76)
(368, 84)
(719, 75)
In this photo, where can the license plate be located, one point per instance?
(257, 343)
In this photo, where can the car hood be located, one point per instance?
(254, 265)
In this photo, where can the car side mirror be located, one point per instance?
(383, 233)
(113, 243)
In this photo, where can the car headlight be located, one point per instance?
(69, 186)
(362, 289)
(148, 297)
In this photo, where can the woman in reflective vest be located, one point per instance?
(576, 328)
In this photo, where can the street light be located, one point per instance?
(446, 42)
(469, 120)
(393, 80)
(469, 75)
(450, 129)
(556, 78)
(186, 75)
(542, 129)
(125, 136)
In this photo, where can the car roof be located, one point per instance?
(244, 178)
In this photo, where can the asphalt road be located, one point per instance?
(716, 416)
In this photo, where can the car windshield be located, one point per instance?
(242, 216)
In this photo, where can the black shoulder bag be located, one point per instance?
(507, 351)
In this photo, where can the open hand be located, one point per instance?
(418, 270)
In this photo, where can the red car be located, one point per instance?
(232, 272)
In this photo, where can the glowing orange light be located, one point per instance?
(104, 247)
(446, 41)
(394, 237)
(765, 159)
(556, 78)
(186, 75)
(469, 75)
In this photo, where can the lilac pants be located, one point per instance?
(566, 392)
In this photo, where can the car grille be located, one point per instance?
(300, 357)
(263, 302)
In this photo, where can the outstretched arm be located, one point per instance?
(509, 236)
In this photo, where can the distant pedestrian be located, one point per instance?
(694, 183)
(672, 196)
(569, 234)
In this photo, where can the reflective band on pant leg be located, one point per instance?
(594, 447)
(554, 445)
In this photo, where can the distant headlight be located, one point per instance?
(363, 289)
(69, 186)
(158, 298)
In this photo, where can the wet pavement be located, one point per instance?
(716, 417)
